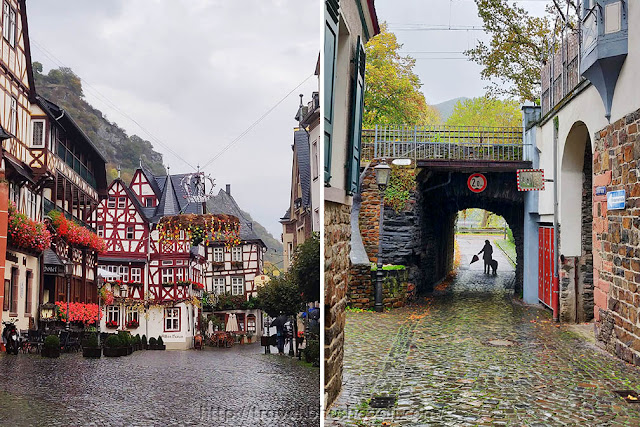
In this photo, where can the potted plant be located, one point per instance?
(249, 337)
(127, 344)
(160, 345)
(112, 346)
(152, 343)
(92, 349)
(51, 346)
(144, 342)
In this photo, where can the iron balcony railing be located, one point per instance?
(49, 206)
(497, 144)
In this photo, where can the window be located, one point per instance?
(218, 285)
(237, 285)
(236, 253)
(172, 319)
(13, 118)
(121, 202)
(9, 24)
(132, 315)
(179, 274)
(112, 202)
(314, 157)
(251, 323)
(148, 202)
(100, 230)
(7, 290)
(113, 314)
(181, 235)
(130, 233)
(27, 303)
(14, 193)
(124, 273)
(218, 254)
(5, 20)
(13, 297)
(37, 133)
(167, 275)
(136, 274)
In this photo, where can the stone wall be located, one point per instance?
(361, 293)
(616, 239)
(337, 236)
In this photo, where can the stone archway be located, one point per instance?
(576, 202)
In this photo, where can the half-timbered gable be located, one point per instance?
(233, 269)
(145, 187)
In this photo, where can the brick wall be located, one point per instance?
(336, 267)
(616, 239)
(361, 292)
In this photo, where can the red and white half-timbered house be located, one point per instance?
(159, 280)
(237, 270)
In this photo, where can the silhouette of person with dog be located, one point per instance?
(487, 256)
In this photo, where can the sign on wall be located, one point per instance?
(477, 182)
(601, 190)
(530, 179)
(616, 200)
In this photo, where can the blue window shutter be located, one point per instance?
(355, 140)
(330, 59)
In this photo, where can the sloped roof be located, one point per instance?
(303, 156)
(151, 179)
(168, 204)
(286, 216)
(225, 204)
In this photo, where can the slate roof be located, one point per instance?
(287, 215)
(51, 258)
(301, 148)
(225, 204)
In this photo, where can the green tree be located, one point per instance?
(280, 295)
(511, 60)
(305, 270)
(392, 94)
(486, 111)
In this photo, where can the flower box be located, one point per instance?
(26, 234)
(111, 352)
(132, 324)
(236, 265)
(74, 234)
(112, 324)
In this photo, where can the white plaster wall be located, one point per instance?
(32, 264)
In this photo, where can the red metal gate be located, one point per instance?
(545, 265)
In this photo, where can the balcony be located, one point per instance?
(50, 206)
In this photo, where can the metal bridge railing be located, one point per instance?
(497, 144)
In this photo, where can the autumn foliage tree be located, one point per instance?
(486, 111)
(392, 94)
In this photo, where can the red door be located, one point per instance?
(545, 265)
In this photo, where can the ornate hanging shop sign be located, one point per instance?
(195, 186)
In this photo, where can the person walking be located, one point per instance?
(487, 256)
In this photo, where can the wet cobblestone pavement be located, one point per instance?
(217, 387)
(436, 360)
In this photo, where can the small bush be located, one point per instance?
(144, 340)
(160, 342)
(125, 338)
(93, 340)
(113, 341)
(152, 341)
(312, 352)
(51, 342)
(136, 339)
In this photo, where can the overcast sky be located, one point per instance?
(442, 76)
(195, 74)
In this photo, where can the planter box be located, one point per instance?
(129, 350)
(111, 352)
(50, 352)
(158, 347)
(264, 341)
(92, 352)
(122, 351)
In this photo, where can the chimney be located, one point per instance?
(229, 189)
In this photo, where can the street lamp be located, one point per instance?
(383, 171)
(68, 271)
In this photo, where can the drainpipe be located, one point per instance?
(555, 297)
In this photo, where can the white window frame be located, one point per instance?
(218, 254)
(314, 156)
(5, 20)
(124, 273)
(132, 313)
(34, 142)
(172, 319)
(136, 274)
(251, 323)
(179, 274)
(113, 313)
(236, 253)
(12, 27)
(237, 285)
(111, 202)
(219, 285)
(167, 275)
(100, 230)
(14, 194)
(122, 202)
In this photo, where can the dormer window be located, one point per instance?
(148, 202)
(37, 133)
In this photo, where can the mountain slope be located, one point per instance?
(446, 108)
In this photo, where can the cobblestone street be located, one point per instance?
(222, 387)
(472, 355)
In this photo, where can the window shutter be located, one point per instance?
(330, 54)
(355, 140)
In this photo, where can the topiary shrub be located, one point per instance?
(93, 340)
(125, 338)
(144, 340)
(160, 342)
(113, 341)
(152, 341)
(51, 342)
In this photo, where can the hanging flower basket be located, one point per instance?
(75, 234)
(206, 228)
(24, 233)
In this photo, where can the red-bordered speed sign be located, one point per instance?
(477, 182)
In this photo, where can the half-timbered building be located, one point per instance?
(235, 270)
(158, 279)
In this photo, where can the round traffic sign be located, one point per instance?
(477, 182)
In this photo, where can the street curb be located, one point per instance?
(512, 261)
